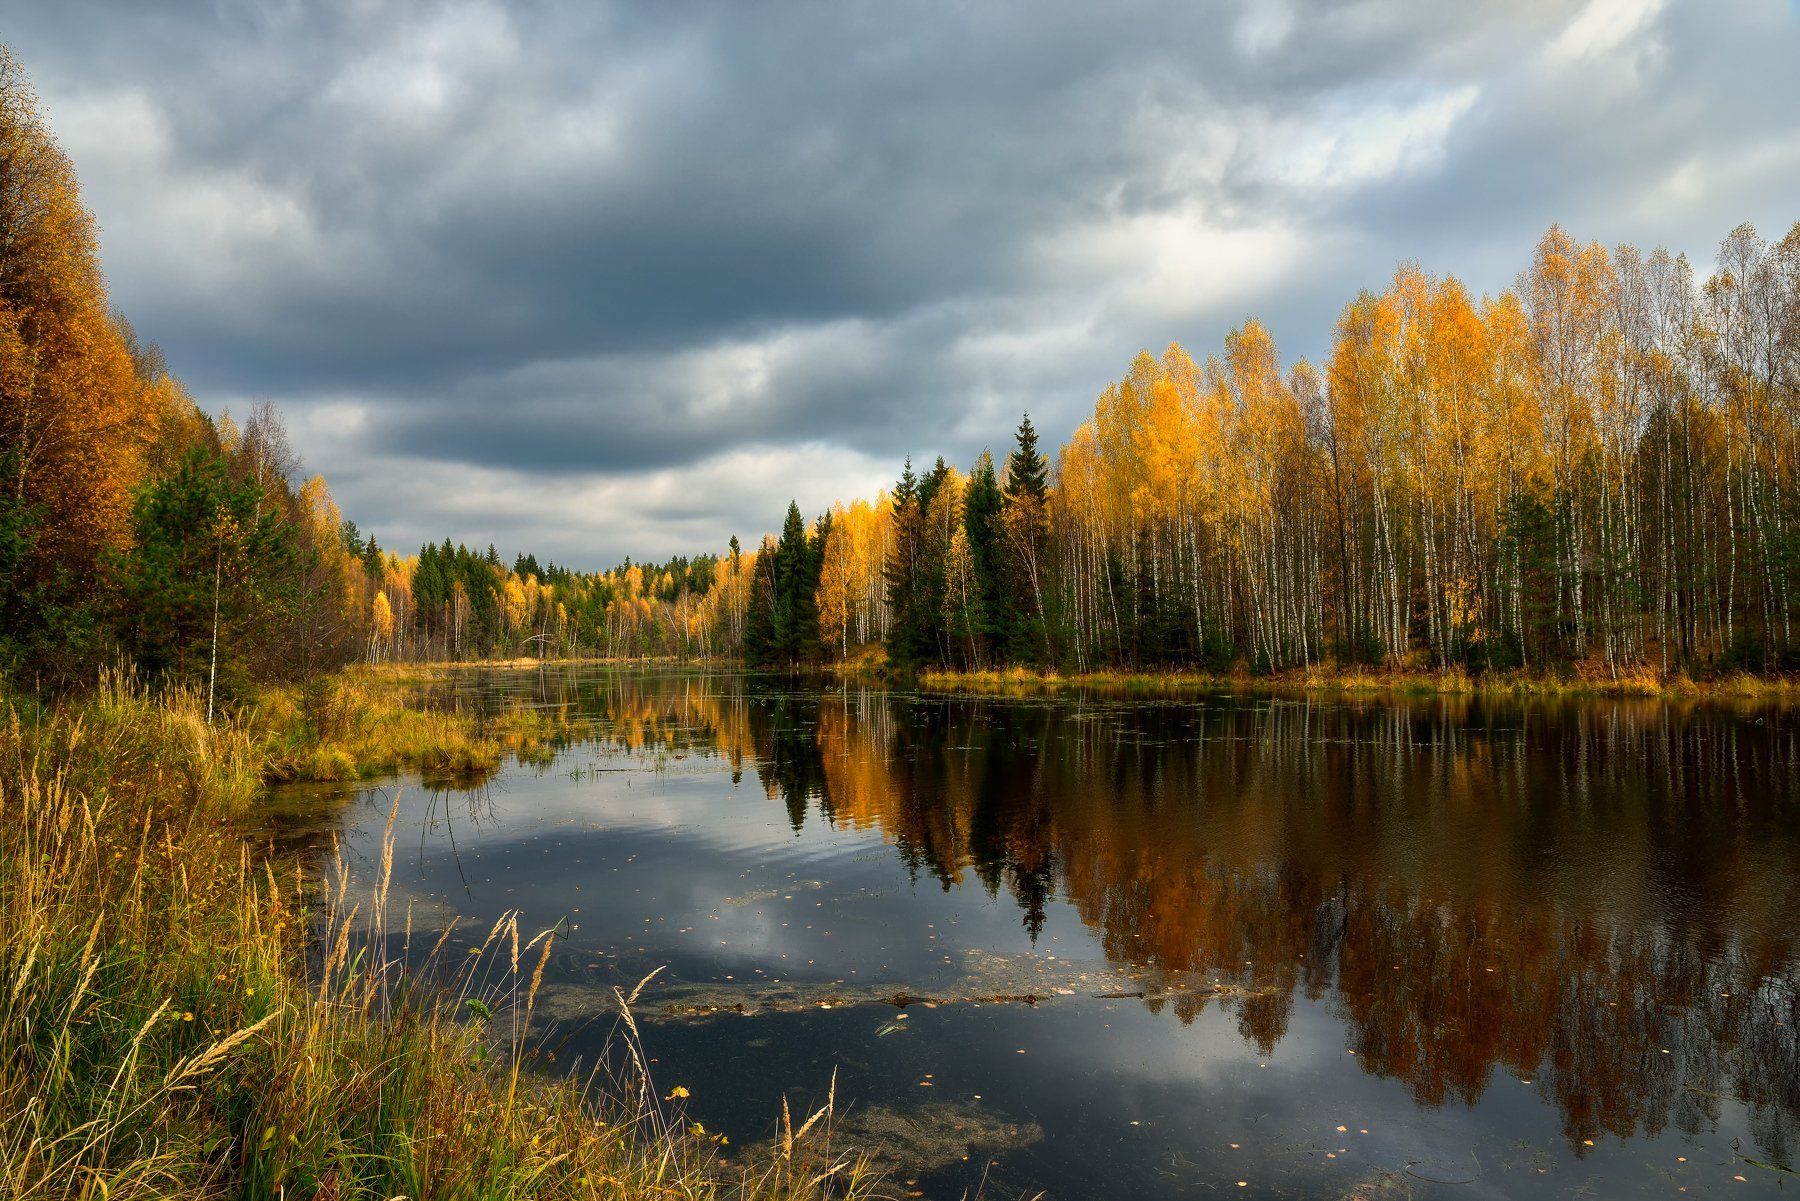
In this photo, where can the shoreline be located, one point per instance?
(1313, 681)
(240, 1030)
(1336, 682)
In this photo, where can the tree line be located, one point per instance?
(136, 528)
(131, 524)
(1595, 469)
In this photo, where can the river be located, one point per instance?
(1095, 946)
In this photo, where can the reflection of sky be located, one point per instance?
(694, 869)
(684, 869)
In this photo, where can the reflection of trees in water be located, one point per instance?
(1560, 892)
(475, 799)
(785, 733)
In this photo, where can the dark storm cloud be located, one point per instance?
(599, 279)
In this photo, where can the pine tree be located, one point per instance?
(211, 577)
(939, 504)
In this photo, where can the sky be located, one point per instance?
(591, 280)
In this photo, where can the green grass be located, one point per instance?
(164, 1036)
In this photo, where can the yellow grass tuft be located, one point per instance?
(163, 1036)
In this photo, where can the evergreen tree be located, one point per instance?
(796, 593)
(211, 576)
(909, 635)
(1025, 530)
(42, 621)
(812, 641)
(1027, 471)
(933, 556)
(760, 643)
(981, 522)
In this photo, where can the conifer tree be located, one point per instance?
(796, 582)
(811, 639)
(1025, 529)
(981, 522)
(1027, 471)
(908, 633)
(760, 640)
(210, 578)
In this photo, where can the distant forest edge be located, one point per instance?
(1596, 469)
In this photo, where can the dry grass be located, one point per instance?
(1587, 680)
(163, 1035)
(349, 726)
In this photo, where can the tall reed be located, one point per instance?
(181, 1019)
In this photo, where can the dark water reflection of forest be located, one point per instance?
(1445, 947)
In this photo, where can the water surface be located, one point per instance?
(1109, 948)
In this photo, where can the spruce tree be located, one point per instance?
(981, 522)
(811, 641)
(759, 614)
(1026, 526)
(1027, 471)
(796, 592)
(934, 549)
(906, 630)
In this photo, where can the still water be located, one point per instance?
(1266, 947)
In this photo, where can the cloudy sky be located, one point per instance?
(596, 279)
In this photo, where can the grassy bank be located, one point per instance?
(164, 1036)
(367, 723)
(1330, 680)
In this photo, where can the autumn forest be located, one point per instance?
(1598, 468)
(1339, 774)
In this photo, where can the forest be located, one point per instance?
(1594, 469)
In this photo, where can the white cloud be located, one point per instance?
(196, 234)
(1353, 142)
(1167, 263)
(689, 508)
(1263, 27)
(493, 267)
(1601, 27)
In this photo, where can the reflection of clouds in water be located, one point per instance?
(1464, 894)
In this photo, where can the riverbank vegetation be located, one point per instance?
(183, 1019)
(1330, 680)
(185, 1015)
